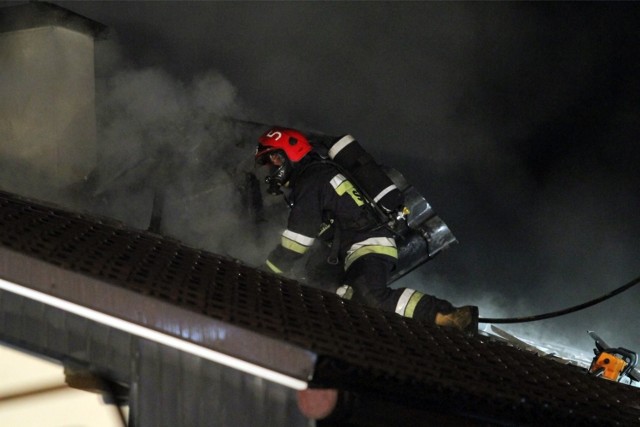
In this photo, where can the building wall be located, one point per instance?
(166, 387)
(47, 108)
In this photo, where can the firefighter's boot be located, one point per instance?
(463, 318)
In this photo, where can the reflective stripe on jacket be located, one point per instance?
(319, 191)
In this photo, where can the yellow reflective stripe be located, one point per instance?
(293, 246)
(373, 241)
(381, 250)
(298, 238)
(296, 242)
(407, 302)
(412, 304)
(345, 292)
(342, 186)
(273, 268)
(404, 300)
(373, 245)
(337, 180)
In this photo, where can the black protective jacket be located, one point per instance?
(326, 205)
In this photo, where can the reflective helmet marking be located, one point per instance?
(273, 133)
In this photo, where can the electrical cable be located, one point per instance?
(564, 311)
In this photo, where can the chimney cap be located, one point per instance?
(37, 14)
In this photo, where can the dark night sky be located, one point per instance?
(518, 122)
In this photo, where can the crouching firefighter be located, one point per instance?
(326, 206)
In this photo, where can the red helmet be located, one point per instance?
(292, 142)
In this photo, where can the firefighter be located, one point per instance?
(326, 206)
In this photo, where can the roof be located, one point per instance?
(299, 332)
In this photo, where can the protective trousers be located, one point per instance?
(366, 282)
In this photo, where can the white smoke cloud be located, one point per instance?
(161, 136)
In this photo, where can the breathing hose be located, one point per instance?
(566, 310)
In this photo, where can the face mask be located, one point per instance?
(278, 177)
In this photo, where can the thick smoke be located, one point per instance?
(517, 121)
(535, 158)
(169, 153)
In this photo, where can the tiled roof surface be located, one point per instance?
(358, 348)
